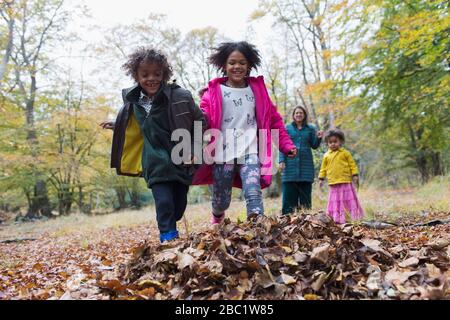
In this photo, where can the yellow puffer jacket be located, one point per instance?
(338, 166)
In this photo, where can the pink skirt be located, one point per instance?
(343, 199)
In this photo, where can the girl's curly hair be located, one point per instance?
(147, 55)
(223, 51)
(335, 133)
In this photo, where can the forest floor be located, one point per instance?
(83, 257)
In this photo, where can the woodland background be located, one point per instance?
(380, 70)
(377, 69)
(70, 228)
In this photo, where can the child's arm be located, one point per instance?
(205, 104)
(352, 164)
(323, 168)
(197, 113)
(108, 125)
(323, 171)
(353, 168)
(199, 118)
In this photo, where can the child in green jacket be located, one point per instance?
(142, 143)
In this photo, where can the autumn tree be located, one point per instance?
(403, 74)
(38, 27)
(7, 13)
(308, 26)
(121, 40)
(190, 58)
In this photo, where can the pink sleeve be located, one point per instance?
(276, 122)
(205, 104)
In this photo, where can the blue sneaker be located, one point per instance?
(168, 236)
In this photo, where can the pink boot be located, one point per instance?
(217, 220)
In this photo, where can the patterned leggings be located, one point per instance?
(250, 173)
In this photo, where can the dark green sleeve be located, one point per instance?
(197, 113)
(197, 146)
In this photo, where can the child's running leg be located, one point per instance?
(165, 210)
(180, 192)
(251, 175)
(223, 181)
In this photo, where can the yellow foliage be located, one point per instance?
(339, 6)
(326, 54)
(317, 21)
(320, 88)
(420, 29)
(257, 14)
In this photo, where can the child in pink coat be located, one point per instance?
(243, 121)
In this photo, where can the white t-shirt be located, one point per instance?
(239, 128)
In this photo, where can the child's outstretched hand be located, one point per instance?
(108, 125)
(320, 134)
(292, 153)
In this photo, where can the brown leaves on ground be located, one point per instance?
(299, 257)
(67, 267)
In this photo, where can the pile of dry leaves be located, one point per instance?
(298, 257)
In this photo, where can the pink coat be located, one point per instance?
(267, 117)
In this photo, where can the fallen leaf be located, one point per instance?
(439, 244)
(185, 260)
(318, 283)
(290, 261)
(320, 254)
(397, 277)
(150, 283)
(264, 280)
(287, 279)
(411, 262)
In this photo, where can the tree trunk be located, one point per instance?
(80, 198)
(40, 204)
(135, 199)
(121, 197)
(65, 200)
(437, 167)
(9, 46)
(421, 162)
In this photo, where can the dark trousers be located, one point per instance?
(170, 202)
(296, 195)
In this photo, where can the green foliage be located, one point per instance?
(403, 74)
(377, 69)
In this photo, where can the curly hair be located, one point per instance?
(222, 52)
(147, 55)
(335, 133)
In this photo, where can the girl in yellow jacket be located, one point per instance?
(340, 169)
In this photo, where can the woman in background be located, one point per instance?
(298, 173)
